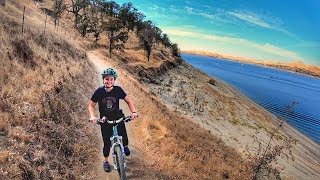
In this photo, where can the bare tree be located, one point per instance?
(95, 25)
(264, 158)
(58, 7)
(158, 34)
(147, 37)
(84, 24)
(75, 8)
(117, 37)
(165, 40)
(109, 8)
(130, 16)
(175, 50)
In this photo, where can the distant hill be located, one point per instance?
(297, 67)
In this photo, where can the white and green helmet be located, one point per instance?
(109, 72)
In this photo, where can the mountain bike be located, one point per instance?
(117, 149)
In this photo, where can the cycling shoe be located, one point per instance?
(106, 167)
(126, 151)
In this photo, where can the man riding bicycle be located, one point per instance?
(108, 97)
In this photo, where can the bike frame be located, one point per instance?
(116, 141)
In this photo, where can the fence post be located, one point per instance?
(45, 26)
(58, 25)
(24, 9)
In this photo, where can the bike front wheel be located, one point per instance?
(120, 162)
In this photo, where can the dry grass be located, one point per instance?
(175, 145)
(43, 97)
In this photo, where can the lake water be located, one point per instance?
(273, 89)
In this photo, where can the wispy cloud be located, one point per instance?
(216, 15)
(272, 49)
(251, 18)
(206, 14)
(157, 8)
(155, 12)
(308, 44)
(261, 21)
(268, 48)
(187, 10)
(188, 2)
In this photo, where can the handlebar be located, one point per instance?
(125, 119)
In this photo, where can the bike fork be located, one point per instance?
(117, 141)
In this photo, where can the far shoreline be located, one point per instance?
(294, 67)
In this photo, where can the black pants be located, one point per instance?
(106, 131)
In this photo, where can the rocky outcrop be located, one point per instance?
(153, 74)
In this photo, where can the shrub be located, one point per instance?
(23, 52)
(212, 82)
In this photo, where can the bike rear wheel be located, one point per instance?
(120, 162)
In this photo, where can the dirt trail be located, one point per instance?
(102, 63)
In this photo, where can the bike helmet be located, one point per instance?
(109, 72)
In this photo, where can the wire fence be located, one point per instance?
(41, 24)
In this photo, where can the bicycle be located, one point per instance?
(117, 149)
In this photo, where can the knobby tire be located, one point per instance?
(120, 162)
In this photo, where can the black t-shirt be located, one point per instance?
(108, 101)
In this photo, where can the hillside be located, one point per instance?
(191, 126)
(43, 100)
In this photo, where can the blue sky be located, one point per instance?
(285, 30)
